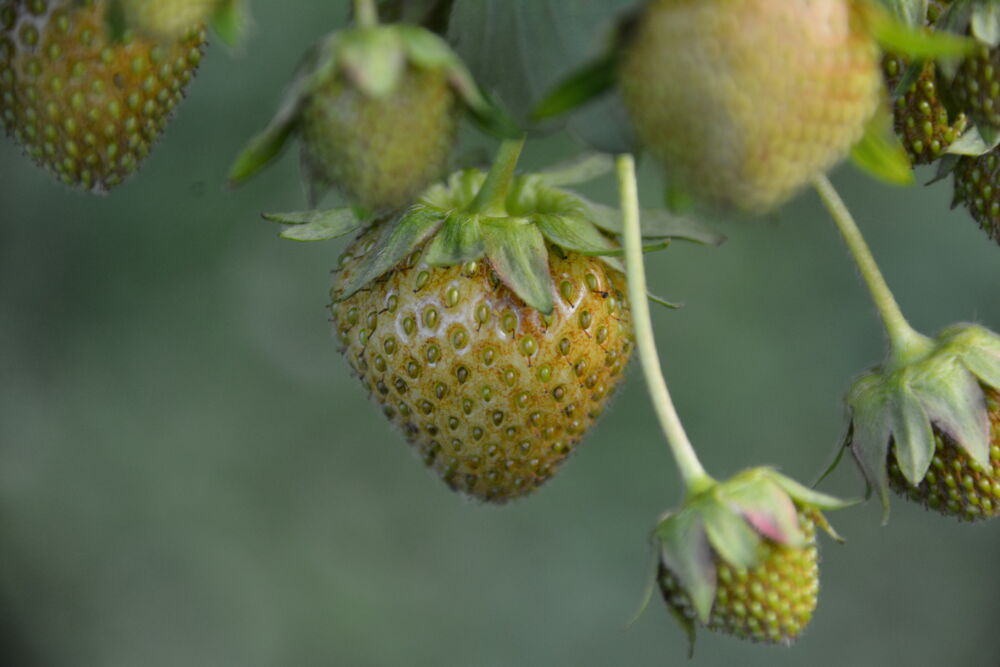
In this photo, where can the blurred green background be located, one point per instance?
(189, 476)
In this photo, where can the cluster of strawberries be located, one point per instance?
(487, 312)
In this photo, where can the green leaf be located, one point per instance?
(880, 152)
(871, 427)
(574, 233)
(973, 143)
(317, 225)
(916, 41)
(458, 241)
(733, 539)
(373, 59)
(687, 554)
(580, 169)
(593, 79)
(231, 22)
(516, 251)
(656, 223)
(912, 435)
(399, 238)
(985, 23)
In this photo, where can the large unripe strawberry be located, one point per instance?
(772, 601)
(83, 105)
(955, 484)
(381, 151)
(493, 394)
(745, 101)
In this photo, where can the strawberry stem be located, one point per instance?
(905, 342)
(491, 196)
(365, 13)
(692, 472)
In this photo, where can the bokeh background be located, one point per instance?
(189, 476)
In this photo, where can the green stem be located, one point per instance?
(491, 196)
(904, 341)
(365, 13)
(692, 472)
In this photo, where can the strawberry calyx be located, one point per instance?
(373, 61)
(729, 524)
(512, 220)
(902, 404)
(169, 20)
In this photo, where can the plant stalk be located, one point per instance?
(491, 196)
(365, 13)
(691, 470)
(904, 341)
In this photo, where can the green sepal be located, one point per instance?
(881, 153)
(910, 12)
(914, 41)
(806, 496)
(728, 532)
(945, 166)
(685, 551)
(973, 142)
(655, 246)
(574, 233)
(985, 23)
(910, 76)
(953, 400)
(516, 250)
(660, 301)
(589, 81)
(978, 348)
(580, 169)
(115, 22)
(767, 507)
(656, 223)
(317, 225)
(871, 430)
(374, 59)
(913, 437)
(459, 241)
(231, 22)
(399, 238)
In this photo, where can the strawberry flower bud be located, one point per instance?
(740, 556)
(928, 427)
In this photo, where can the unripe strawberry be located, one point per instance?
(84, 106)
(745, 101)
(770, 602)
(955, 484)
(381, 151)
(740, 556)
(976, 88)
(493, 394)
(921, 118)
(977, 187)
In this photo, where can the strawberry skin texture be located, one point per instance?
(920, 117)
(381, 152)
(955, 485)
(86, 109)
(772, 602)
(492, 394)
(745, 101)
(976, 179)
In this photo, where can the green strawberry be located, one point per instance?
(378, 109)
(921, 119)
(740, 556)
(168, 18)
(745, 101)
(955, 484)
(976, 186)
(83, 105)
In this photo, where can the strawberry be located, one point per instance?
(976, 179)
(955, 484)
(921, 119)
(168, 18)
(929, 427)
(745, 101)
(83, 105)
(740, 556)
(378, 109)
(488, 320)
